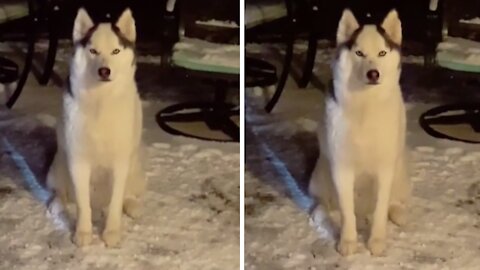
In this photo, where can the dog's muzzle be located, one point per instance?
(373, 75)
(104, 73)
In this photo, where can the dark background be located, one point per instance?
(412, 14)
(148, 14)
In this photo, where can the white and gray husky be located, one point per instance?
(99, 135)
(363, 162)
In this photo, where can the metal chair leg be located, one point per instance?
(433, 35)
(287, 63)
(52, 45)
(28, 62)
(309, 61)
(285, 70)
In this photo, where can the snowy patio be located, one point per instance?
(191, 212)
(281, 148)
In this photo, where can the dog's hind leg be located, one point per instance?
(397, 213)
(320, 188)
(80, 170)
(344, 180)
(58, 179)
(329, 181)
(120, 171)
(401, 190)
(136, 184)
(377, 240)
(393, 190)
(60, 185)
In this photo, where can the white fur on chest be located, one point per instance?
(364, 127)
(100, 125)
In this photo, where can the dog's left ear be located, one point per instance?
(346, 26)
(82, 25)
(126, 25)
(393, 26)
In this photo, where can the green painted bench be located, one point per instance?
(13, 9)
(459, 54)
(260, 12)
(200, 55)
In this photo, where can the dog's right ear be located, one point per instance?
(126, 25)
(347, 25)
(393, 26)
(83, 23)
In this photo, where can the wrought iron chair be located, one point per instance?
(323, 18)
(51, 14)
(260, 18)
(27, 14)
(17, 12)
(184, 58)
(452, 55)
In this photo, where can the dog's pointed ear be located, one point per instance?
(126, 25)
(83, 23)
(393, 26)
(347, 25)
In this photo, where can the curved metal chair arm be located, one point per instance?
(433, 34)
(170, 29)
(31, 34)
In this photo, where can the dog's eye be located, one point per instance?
(382, 53)
(360, 53)
(116, 51)
(93, 51)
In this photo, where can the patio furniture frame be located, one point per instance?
(32, 22)
(215, 114)
(432, 36)
(289, 35)
(471, 109)
(38, 10)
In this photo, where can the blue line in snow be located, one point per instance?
(288, 180)
(38, 191)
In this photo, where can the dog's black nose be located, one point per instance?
(104, 72)
(373, 75)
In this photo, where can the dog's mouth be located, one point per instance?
(105, 80)
(373, 83)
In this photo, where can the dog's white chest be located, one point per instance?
(365, 132)
(103, 132)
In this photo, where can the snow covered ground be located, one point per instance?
(191, 213)
(281, 149)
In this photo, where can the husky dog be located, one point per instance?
(362, 162)
(99, 135)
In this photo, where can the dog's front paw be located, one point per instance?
(398, 215)
(376, 246)
(111, 238)
(347, 247)
(132, 208)
(82, 238)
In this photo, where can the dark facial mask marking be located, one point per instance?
(86, 39)
(331, 91)
(125, 42)
(388, 40)
(347, 45)
(68, 87)
(122, 39)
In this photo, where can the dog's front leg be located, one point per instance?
(344, 178)
(111, 234)
(376, 242)
(80, 171)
